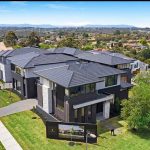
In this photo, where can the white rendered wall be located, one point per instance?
(106, 109)
(6, 69)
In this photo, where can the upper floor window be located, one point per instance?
(111, 80)
(123, 66)
(18, 70)
(82, 89)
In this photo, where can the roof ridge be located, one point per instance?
(71, 77)
(32, 59)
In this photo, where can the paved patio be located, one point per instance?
(7, 139)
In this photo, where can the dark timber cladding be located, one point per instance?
(28, 86)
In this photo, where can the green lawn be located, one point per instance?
(30, 133)
(5, 98)
(1, 146)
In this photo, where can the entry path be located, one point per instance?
(20, 106)
(7, 139)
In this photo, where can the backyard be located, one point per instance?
(29, 130)
(7, 97)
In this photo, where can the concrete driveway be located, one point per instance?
(20, 106)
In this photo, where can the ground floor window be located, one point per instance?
(60, 104)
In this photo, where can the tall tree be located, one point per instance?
(136, 110)
(33, 39)
(10, 39)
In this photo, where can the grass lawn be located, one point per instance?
(1, 146)
(30, 133)
(5, 98)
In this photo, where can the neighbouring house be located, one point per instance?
(135, 65)
(81, 91)
(5, 64)
(4, 48)
(23, 66)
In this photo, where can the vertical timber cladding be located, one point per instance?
(68, 131)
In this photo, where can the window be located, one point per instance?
(77, 90)
(89, 111)
(60, 104)
(87, 88)
(18, 86)
(18, 70)
(124, 79)
(111, 80)
(123, 66)
(82, 89)
(75, 114)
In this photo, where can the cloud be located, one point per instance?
(20, 3)
(4, 9)
(57, 6)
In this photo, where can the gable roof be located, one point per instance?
(71, 75)
(33, 59)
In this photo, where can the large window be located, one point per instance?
(82, 89)
(123, 66)
(111, 80)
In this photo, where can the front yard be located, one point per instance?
(30, 134)
(7, 98)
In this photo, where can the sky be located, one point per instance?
(75, 13)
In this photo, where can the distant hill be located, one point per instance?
(27, 25)
(65, 26)
(110, 26)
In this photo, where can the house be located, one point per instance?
(5, 64)
(81, 91)
(3, 47)
(23, 66)
(135, 65)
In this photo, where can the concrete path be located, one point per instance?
(7, 139)
(20, 106)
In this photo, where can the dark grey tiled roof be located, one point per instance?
(34, 59)
(71, 75)
(95, 69)
(65, 77)
(118, 55)
(103, 58)
(20, 51)
(66, 50)
(5, 53)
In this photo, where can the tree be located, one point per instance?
(136, 110)
(117, 32)
(143, 41)
(69, 42)
(33, 39)
(10, 39)
(88, 47)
